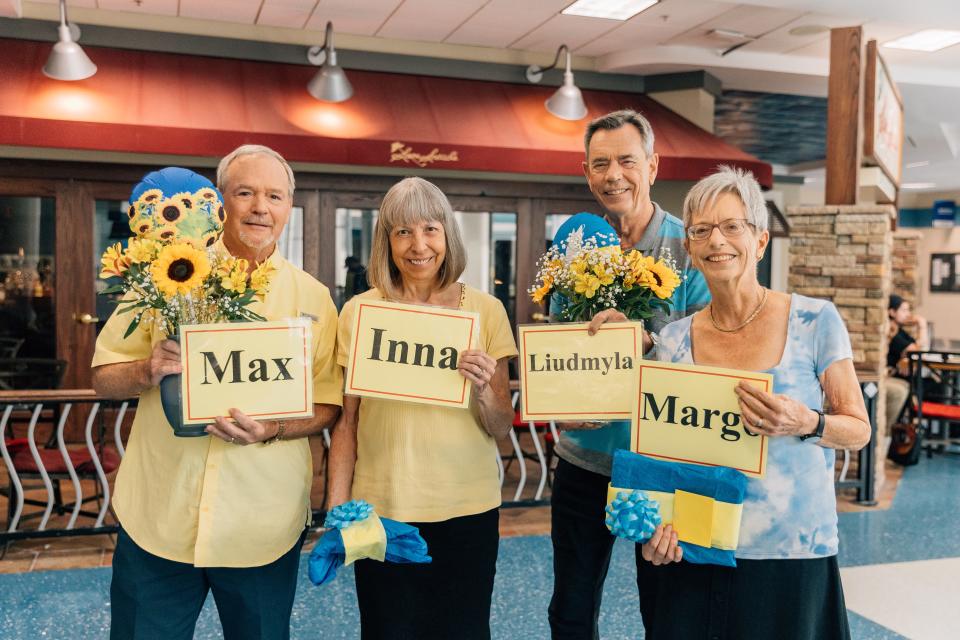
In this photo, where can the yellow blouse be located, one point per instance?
(424, 463)
(204, 501)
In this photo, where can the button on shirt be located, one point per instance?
(204, 501)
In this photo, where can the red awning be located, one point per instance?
(159, 103)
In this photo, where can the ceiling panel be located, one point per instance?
(242, 11)
(747, 19)
(86, 4)
(501, 22)
(682, 13)
(348, 18)
(782, 41)
(428, 20)
(574, 31)
(637, 37)
(286, 13)
(154, 7)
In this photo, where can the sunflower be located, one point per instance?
(179, 269)
(150, 196)
(114, 262)
(661, 279)
(173, 210)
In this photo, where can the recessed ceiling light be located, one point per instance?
(809, 30)
(729, 34)
(609, 9)
(926, 40)
(918, 185)
(914, 165)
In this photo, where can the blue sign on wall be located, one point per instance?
(944, 213)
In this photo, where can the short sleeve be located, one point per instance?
(327, 374)
(113, 348)
(831, 340)
(497, 332)
(345, 331)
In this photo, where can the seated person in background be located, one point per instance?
(897, 383)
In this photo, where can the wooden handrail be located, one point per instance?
(52, 395)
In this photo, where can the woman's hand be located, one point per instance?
(612, 315)
(774, 415)
(663, 547)
(477, 367)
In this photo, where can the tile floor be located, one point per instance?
(899, 561)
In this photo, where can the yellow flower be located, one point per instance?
(539, 294)
(578, 267)
(114, 262)
(179, 269)
(260, 278)
(141, 249)
(586, 284)
(662, 279)
(605, 276)
(173, 210)
(149, 196)
(233, 275)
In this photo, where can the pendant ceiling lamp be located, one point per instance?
(331, 83)
(567, 101)
(67, 61)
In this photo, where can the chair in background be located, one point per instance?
(935, 389)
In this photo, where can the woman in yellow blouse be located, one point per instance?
(433, 467)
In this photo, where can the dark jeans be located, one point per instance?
(581, 551)
(154, 598)
(446, 599)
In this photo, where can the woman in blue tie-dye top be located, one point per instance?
(786, 583)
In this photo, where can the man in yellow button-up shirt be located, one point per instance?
(227, 512)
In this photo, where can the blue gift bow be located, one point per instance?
(634, 471)
(404, 543)
(633, 516)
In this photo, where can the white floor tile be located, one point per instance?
(919, 600)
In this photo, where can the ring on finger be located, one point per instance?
(232, 440)
(760, 423)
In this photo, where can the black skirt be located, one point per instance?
(758, 600)
(448, 598)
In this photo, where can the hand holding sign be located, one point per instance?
(477, 367)
(774, 415)
(243, 430)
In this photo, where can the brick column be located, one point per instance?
(844, 254)
(906, 261)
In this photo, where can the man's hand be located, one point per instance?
(164, 361)
(244, 430)
(612, 315)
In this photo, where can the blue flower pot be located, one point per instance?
(172, 409)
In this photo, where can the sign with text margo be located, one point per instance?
(690, 413)
(409, 352)
(264, 369)
(566, 374)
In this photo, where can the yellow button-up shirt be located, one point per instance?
(201, 500)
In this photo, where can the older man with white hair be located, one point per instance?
(227, 513)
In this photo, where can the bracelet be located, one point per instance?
(281, 428)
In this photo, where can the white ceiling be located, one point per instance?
(671, 36)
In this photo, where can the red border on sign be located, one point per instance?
(523, 372)
(353, 356)
(635, 433)
(306, 371)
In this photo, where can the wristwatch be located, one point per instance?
(821, 423)
(281, 428)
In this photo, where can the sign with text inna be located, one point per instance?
(690, 413)
(264, 369)
(409, 352)
(566, 374)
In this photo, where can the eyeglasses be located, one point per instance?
(730, 228)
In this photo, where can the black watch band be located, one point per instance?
(821, 423)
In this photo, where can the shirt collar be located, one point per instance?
(276, 257)
(648, 242)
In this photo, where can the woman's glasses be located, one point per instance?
(731, 228)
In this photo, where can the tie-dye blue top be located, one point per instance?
(792, 511)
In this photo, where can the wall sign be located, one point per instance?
(945, 272)
(402, 152)
(882, 117)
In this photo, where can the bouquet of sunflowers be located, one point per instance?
(171, 271)
(592, 273)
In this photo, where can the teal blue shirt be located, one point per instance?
(593, 450)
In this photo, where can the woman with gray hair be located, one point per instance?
(433, 467)
(790, 513)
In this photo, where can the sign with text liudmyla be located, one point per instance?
(567, 374)
(690, 413)
(409, 352)
(264, 369)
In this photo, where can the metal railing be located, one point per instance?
(33, 466)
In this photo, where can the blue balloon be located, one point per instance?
(593, 226)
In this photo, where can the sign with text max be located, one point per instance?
(409, 352)
(566, 374)
(264, 369)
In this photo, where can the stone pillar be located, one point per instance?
(843, 253)
(906, 261)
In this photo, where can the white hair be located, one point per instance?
(251, 150)
(728, 180)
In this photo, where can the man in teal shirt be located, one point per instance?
(620, 168)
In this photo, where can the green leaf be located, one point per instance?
(133, 327)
